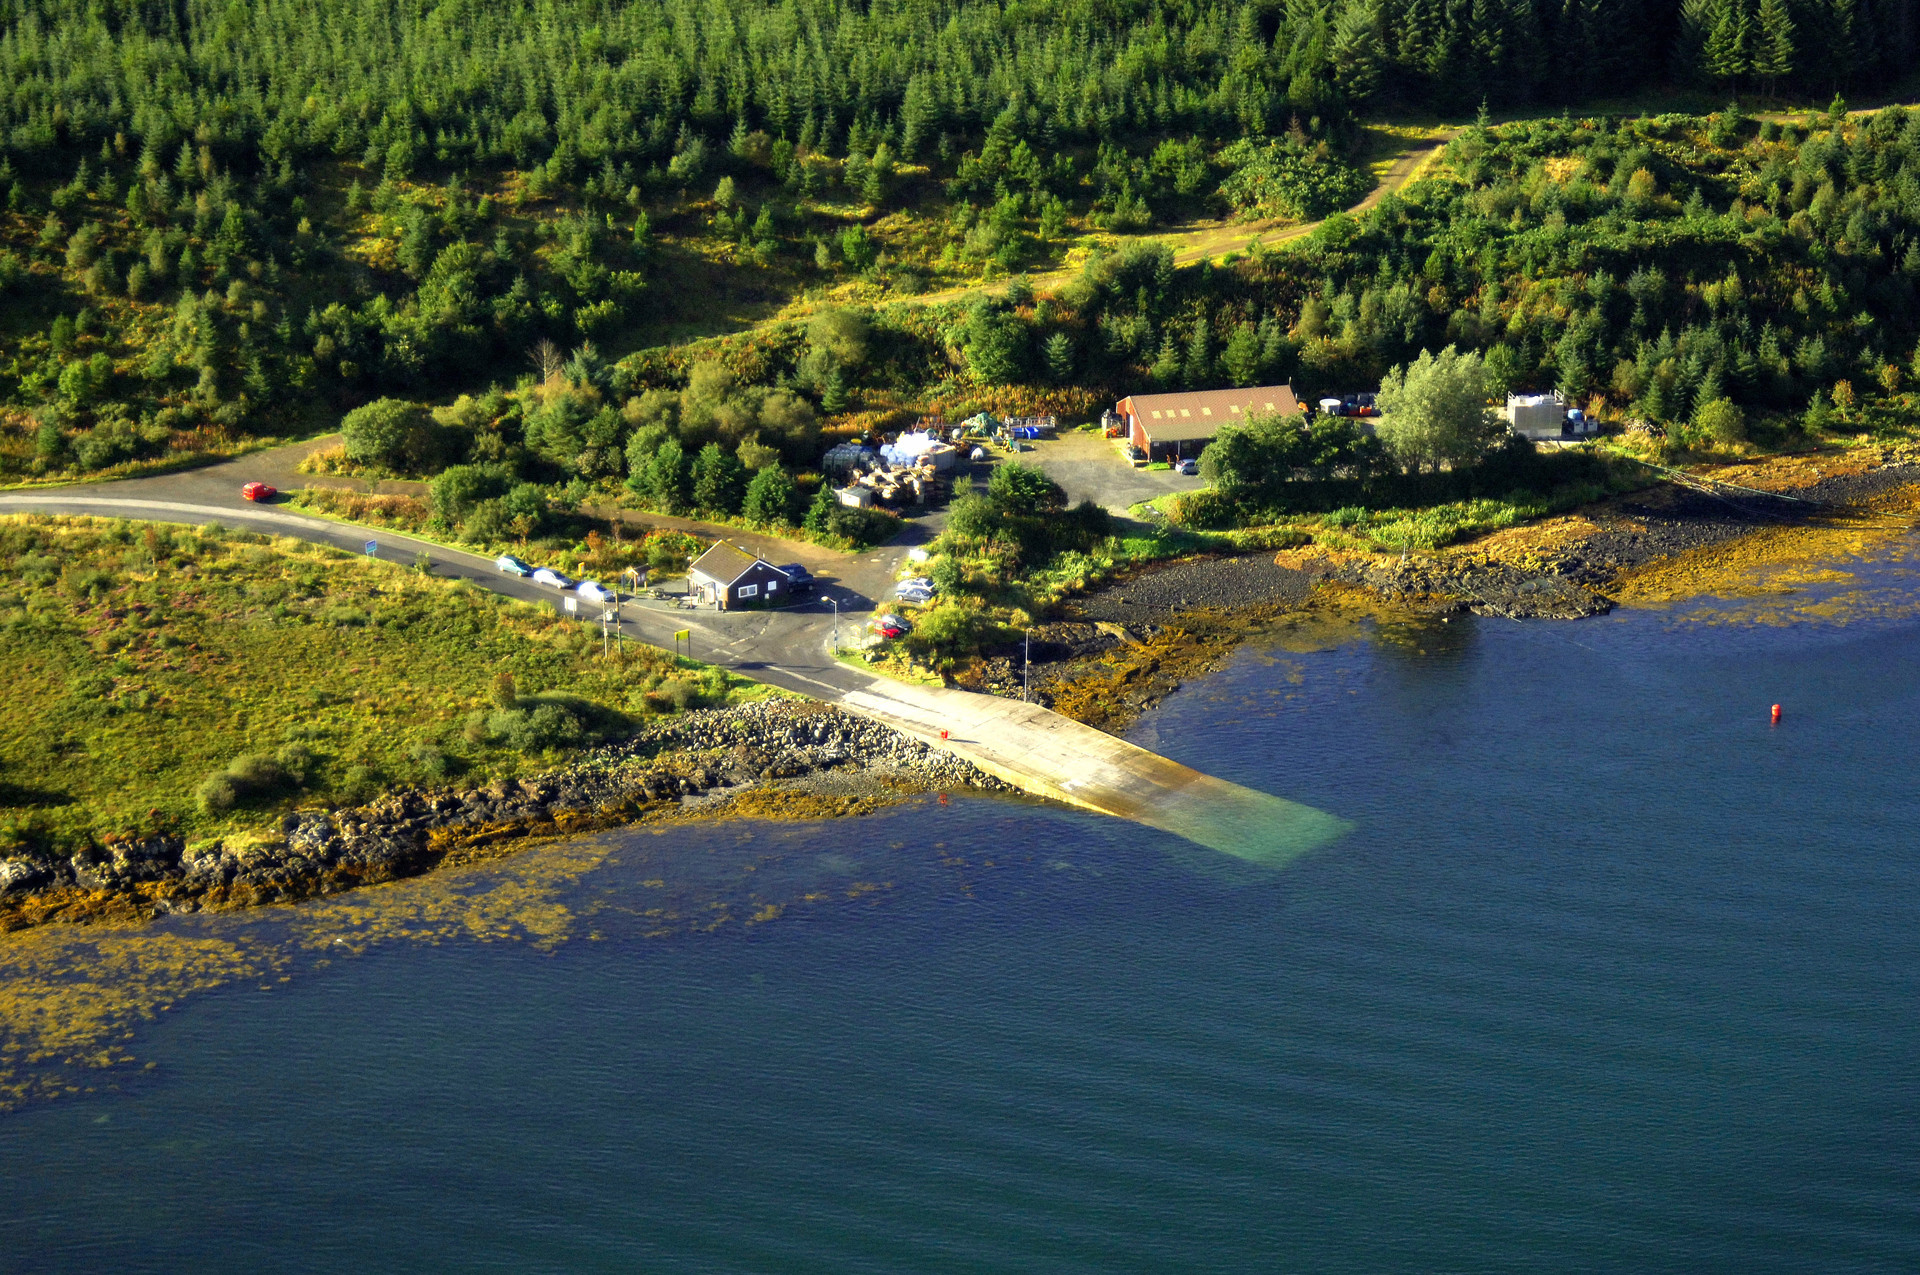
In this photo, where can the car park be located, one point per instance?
(593, 591)
(259, 491)
(510, 565)
(554, 579)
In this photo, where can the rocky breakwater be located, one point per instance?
(697, 764)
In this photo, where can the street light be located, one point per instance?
(1026, 670)
(835, 604)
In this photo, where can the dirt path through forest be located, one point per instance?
(1211, 240)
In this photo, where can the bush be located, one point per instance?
(1019, 488)
(1721, 421)
(770, 497)
(863, 527)
(1285, 179)
(216, 795)
(536, 729)
(394, 433)
(253, 776)
(434, 764)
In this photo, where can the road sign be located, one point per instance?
(572, 604)
(683, 635)
(373, 548)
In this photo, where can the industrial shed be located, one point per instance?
(1174, 426)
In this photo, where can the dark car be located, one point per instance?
(800, 579)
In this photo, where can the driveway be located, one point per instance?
(1091, 467)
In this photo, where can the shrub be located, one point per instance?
(770, 497)
(1720, 420)
(216, 795)
(434, 764)
(392, 432)
(253, 776)
(536, 729)
(1286, 179)
(863, 527)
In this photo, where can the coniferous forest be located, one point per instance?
(231, 220)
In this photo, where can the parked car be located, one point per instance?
(510, 565)
(259, 491)
(889, 626)
(800, 579)
(555, 579)
(913, 597)
(1188, 466)
(593, 591)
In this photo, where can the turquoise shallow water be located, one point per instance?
(1610, 976)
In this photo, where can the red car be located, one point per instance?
(259, 491)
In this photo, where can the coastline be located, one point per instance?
(1124, 647)
(783, 758)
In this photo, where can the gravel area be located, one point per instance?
(1156, 593)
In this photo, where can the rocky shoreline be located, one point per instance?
(1122, 648)
(698, 764)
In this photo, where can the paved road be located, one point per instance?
(1038, 750)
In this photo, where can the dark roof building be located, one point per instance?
(731, 578)
(1167, 426)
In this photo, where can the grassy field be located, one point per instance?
(204, 681)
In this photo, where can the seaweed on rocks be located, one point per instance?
(673, 767)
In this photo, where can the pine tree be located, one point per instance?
(1773, 51)
(664, 481)
(1059, 355)
(770, 497)
(819, 519)
(1723, 58)
(718, 480)
(1242, 356)
(1199, 366)
(1357, 54)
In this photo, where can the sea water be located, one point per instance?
(1611, 974)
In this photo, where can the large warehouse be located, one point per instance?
(1172, 426)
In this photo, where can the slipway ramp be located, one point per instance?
(1044, 753)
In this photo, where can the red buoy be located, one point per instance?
(1776, 714)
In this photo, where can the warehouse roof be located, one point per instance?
(1198, 413)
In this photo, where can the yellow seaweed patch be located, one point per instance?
(70, 999)
(1772, 560)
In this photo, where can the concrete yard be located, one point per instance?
(1091, 467)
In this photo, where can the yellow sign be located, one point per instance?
(684, 635)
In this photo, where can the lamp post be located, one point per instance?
(835, 604)
(1026, 669)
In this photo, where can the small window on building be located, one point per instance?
(1156, 415)
(1185, 412)
(773, 586)
(749, 590)
(1233, 407)
(1269, 407)
(1206, 411)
